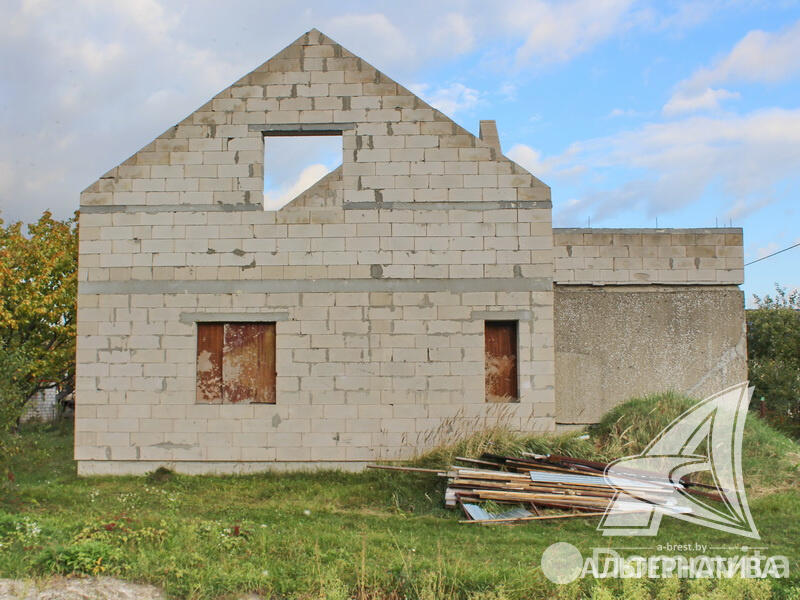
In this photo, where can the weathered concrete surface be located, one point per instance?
(67, 588)
(86, 588)
(615, 342)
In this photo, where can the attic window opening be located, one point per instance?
(295, 161)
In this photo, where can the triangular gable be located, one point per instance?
(215, 155)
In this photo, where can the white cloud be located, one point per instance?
(743, 207)
(686, 15)
(95, 56)
(623, 112)
(708, 99)
(149, 15)
(669, 165)
(759, 56)
(541, 31)
(372, 35)
(34, 7)
(508, 91)
(455, 32)
(407, 39)
(89, 84)
(452, 99)
(277, 198)
(558, 31)
(563, 166)
(7, 178)
(765, 250)
(401, 40)
(530, 159)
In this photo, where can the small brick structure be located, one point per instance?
(42, 406)
(364, 303)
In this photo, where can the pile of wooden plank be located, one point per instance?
(532, 483)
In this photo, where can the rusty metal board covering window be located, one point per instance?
(236, 363)
(501, 361)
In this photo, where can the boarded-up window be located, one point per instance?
(501, 361)
(236, 363)
(209, 362)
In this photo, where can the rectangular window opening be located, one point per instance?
(296, 162)
(236, 363)
(501, 361)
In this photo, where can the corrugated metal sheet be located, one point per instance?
(479, 514)
(552, 477)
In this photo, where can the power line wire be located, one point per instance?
(771, 255)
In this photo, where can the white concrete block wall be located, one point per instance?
(703, 256)
(329, 242)
(361, 376)
(383, 274)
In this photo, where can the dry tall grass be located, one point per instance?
(497, 433)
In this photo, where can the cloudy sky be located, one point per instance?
(684, 114)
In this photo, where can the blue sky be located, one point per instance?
(687, 113)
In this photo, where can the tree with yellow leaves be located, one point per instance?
(38, 288)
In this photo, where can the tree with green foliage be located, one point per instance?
(773, 352)
(38, 289)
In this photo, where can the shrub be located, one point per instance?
(769, 458)
(86, 557)
(773, 352)
(629, 427)
(13, 395)
(160, 475)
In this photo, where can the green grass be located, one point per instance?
(337, 535)
(770, 459)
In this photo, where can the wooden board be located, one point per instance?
(209, 362)
(248, 363)
(501, 361)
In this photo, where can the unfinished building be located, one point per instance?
(417, 291)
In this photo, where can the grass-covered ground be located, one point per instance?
(368, 535)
